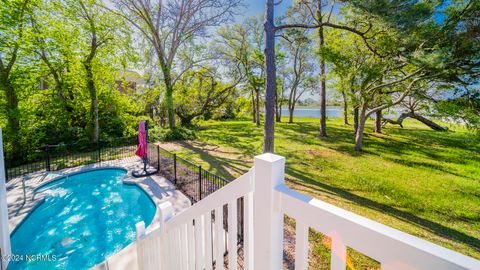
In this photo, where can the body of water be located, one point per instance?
(332, 112)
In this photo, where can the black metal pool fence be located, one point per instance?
(197, 183)
(62, 156)
(191, 179)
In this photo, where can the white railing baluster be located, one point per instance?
(191, 245)
(157, 247)
(219, 239)
(232, 235)
(167, 250)
(164, 252)
(301, 246)
(199, 243)
(184, 246)
(338, 258)
(174, 256)
(248, 231)
(166, 213)
(208, 240)
(143, 257)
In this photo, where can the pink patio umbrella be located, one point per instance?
(142, 150)
(142, 140)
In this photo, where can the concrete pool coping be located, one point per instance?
(157, 187)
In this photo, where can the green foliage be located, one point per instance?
(200, 94)
(166, 135)
(48, 77)
(464, 109)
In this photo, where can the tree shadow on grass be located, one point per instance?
(429, 225)
(340, 139)
(428, 166)
(240, 136)
(394, 144)
(223, 165)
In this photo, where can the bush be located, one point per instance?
(167, 135)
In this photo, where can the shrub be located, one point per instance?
(177, 134)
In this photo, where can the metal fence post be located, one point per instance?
(99, 152)
(47, 160)
(158, 158)
(175, 169)
(200, 181)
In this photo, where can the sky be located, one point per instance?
(254, 7)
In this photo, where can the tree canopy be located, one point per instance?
(77, 70)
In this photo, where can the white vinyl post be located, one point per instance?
(166, 213)
(269, 172)
(4, 231)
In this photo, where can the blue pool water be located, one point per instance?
(84, 219)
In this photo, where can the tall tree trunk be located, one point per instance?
(290, 114)
(323, 87)
(355, 119)
(345, 108)
(427, 122)
(94, 123)
(377, 127)
(270, 69)
(169, 96)
(257, 110)
(399, 120)
(278, 109)
(254, 110)
(362, 118)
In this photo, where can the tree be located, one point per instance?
(345, 106)
(169, 25)
(464, 108)
(363, 31)
(271, 83)
(299, 56)
(386, 70)
(49, 44)
(98, 29)
(56, 51)
(240, 48)
(323, 85)
(12, 37)
(280, 94)
(199, 92)
(415, 106)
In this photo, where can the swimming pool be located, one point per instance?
(84, 219)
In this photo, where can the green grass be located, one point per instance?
(420, 181)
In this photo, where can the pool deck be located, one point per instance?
(159, 189)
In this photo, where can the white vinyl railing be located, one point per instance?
(195, 240)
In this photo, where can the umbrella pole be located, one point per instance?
(145, 158)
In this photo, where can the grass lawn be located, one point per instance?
(420, 181)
